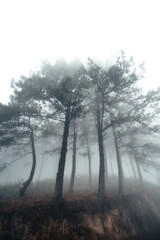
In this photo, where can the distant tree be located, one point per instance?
(119, 162)
(6, 113)
(87, 138)
(136, 146)
(75, 132)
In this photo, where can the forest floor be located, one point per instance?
(135, 215)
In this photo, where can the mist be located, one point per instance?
(79, 120)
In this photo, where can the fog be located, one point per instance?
(79, 119)
(79, 29)
(48, 151)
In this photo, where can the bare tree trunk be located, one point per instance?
(57, 196)
(133, 169)
(101, 186)
(139, 174)
(99, 123)
(27, 183)
(110, 160)
(89, 160)
(75, 131)
(119, 163)
(41, 168)
(106, 165)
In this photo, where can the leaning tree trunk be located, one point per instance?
(27, 183)
(89, 160)
(57, 196)
(119, 163)
(75, 130)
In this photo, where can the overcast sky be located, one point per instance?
(32, 30)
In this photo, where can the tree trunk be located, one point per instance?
(119, 163)
(110, 160)
(133, 169)
(41, 168)
(139, 174)
(75, 130)
(89, 160)
(101, 187)
(99, 121)
(106, 165)
(57, 196)
(27, 183)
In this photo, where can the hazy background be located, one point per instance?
(35, 30)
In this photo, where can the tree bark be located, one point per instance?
(119, 163)
(27, 183)
(75, 130)
(57, 196)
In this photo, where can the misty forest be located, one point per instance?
(80, 153)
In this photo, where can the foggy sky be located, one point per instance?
(36, 30)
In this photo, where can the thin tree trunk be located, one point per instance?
(99, 126)
(119, 163)
(57, 196)
(89, 160)
(41, 168)
(133, 169)
(75, 130)
(101, 186)
(110, 160)
(106, 165)
(139, 174)
(101, 183)
(27, 183)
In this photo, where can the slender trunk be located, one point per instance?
(110, 160)
(139, 174)
(75, 129)
(27, 183)
(133, 169)
(57, 196)
(101, 186)
(119, 163)
(106, 165)
(89, 161)
(99, 125)
(41, 168)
